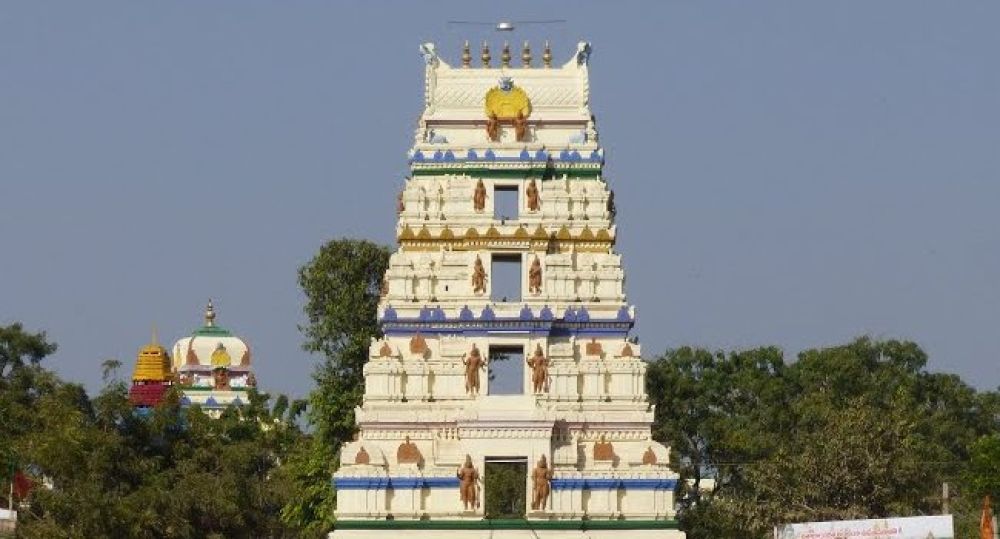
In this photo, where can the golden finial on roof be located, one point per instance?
(466, 55)
(526, 55)
(505, 55)
(210, 314)
(547, 55)
(485, 56)
(153, 341)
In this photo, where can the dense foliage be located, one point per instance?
(854, 431)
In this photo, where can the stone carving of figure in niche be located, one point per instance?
(493, 128)
(540, 486)
(603, 450)
(535, 277)
(221, 377)
(521, 127)
(478, 276)
(611, 205)
(400, 205)
(531, 192)
(467, 477)
(473, 362)
(479, 197)
(539, 369)
(408, 453)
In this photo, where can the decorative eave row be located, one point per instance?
(575, 321)
(563, 240)
(541, 164)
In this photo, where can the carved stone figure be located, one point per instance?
(400, 205)
(649, 457)
(478, 276)
(408, 453)
(251, 380)
(540, 485)
(594, 348)
(520, 127)
(535, 277)
(473, 362)
(383, 289)
(362, 457)
(467, 476)
(603, 450)
(612, 211)
(418, 345)
(627, 351)
(221, 377)
(385, 350)
(479, 197)
(532, 193)
(493, 127)
(539, 369)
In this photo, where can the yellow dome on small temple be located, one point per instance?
(152, 364)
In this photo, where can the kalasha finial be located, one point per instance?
(466, 55)
(547, 55)
(210, 314)
(505, 55)
(485, 56)
(526, 55)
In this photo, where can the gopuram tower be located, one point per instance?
(506, 398)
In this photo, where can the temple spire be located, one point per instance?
(526, 55)
(210, 314)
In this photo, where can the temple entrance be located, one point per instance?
(504, 485)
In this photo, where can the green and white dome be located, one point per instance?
(211, 347)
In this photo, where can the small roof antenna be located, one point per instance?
(505, 25)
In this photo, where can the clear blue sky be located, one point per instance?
(790, 173)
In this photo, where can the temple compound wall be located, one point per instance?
(542, 378)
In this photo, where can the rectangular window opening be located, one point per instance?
(505, 277)
(506, 370)
(506, 203)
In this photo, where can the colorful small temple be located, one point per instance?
(507, 397)
(211, 368)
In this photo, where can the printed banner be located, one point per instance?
(937, 527)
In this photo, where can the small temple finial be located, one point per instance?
(547, 55)
(154, 340)
(485, 56)
(466, 55)
(210, 314)
(505, 55)
(526, 55)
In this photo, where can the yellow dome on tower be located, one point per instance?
(152, 363)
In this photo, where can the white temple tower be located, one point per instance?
(479, 379)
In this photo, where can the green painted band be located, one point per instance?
(506, 524)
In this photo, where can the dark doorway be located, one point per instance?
(506, 370)
(504, 484)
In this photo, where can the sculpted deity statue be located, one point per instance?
(400, 205)
(473, 362)
(479, 197)
(611, 204)
(539, 369)
(478, 276)
(532, 193)
(535, 277)
(520, 127)
(540, 486)
(251, 380)
(221, 377)
(493, 127)
(603, 449)
(467, 477)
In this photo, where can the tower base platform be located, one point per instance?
(509, 529)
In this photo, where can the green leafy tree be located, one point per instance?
(342, 286)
